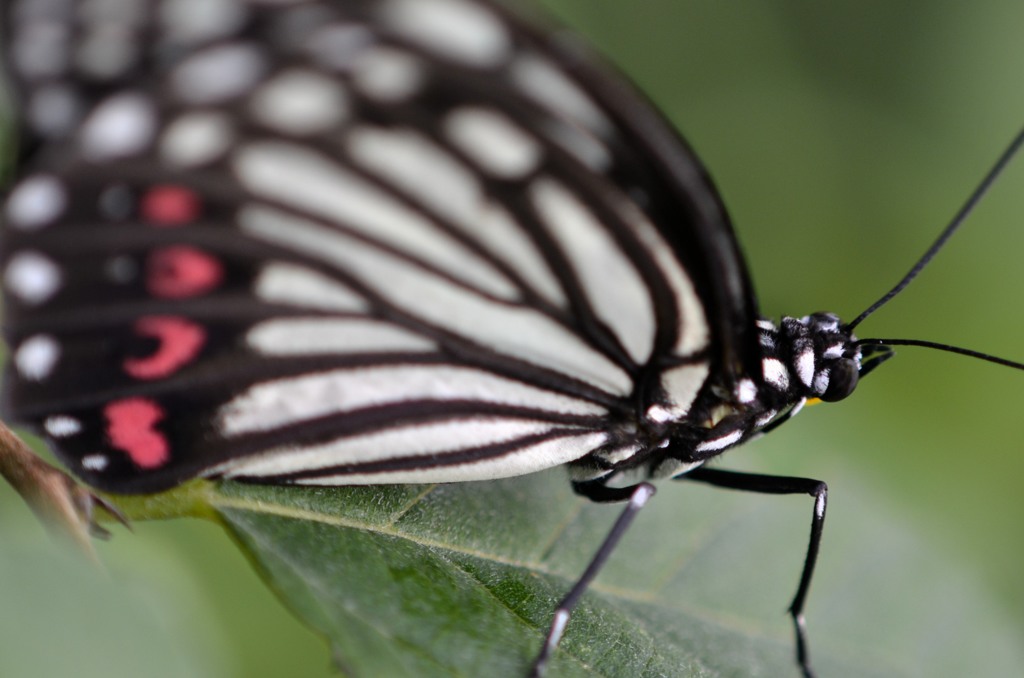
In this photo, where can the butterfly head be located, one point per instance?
(815, 357)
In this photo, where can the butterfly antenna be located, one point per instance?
(886, 343)
(947, 232)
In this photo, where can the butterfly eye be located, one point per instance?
(843, 376)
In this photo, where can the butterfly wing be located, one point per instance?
(347, 242)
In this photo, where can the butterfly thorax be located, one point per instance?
(802, 359)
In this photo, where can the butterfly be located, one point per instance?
(379, 241)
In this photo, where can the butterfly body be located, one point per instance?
(403, 241)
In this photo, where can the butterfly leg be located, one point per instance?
(765, 484)
(638, 496)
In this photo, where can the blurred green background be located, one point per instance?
(843, 136)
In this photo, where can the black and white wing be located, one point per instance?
(347, 241)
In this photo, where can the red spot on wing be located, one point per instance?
(169, 205)
(181, 272)
(180, 341)
(131, 429)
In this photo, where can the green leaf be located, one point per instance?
(461, 580)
